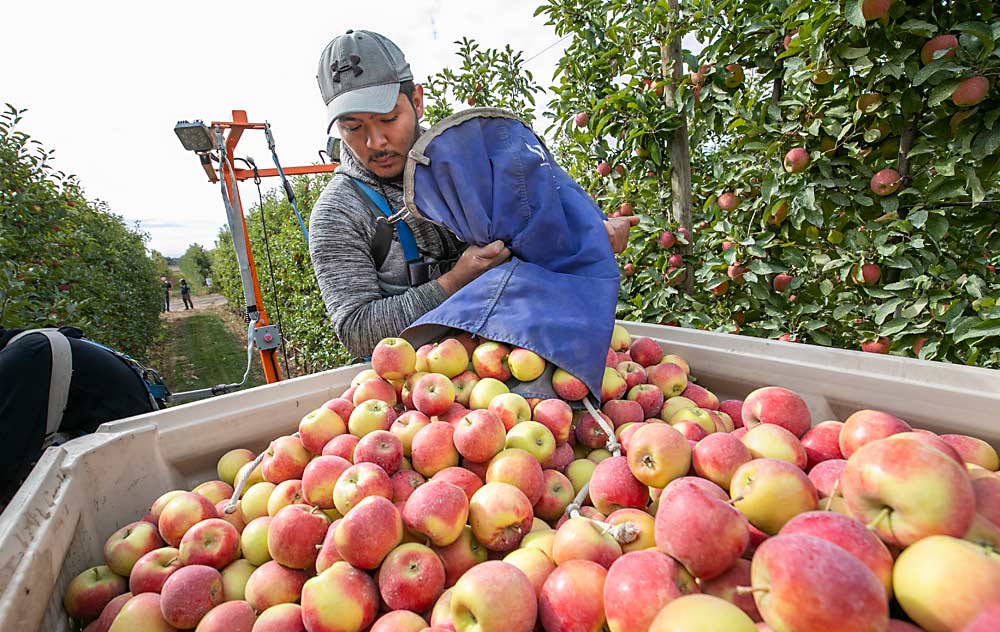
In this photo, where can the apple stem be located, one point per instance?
(882, 514)
(833, 492)
(735, 500)
(749, 590)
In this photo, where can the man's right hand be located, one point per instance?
(474, 261)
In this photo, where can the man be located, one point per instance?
(166, 285)
(372, 291)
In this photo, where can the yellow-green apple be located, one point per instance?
(212, 542)
(126, 545)
(625, 431)
(342, 446)
(189, 593)
(557, 494)
(254, 501)
(694, 613)
(343, 407)
(400, 621)
(973, 450)
(723, 422)
(583, 539)
(599, 454)
(573, 597)
(866, 426)
(907, 490)
(674, 404)
(152, 569)
(411, 578)
(657, 454)
(771, 441)
(500, 515)
(286, 493)
(727, 586)
(850, 535)
(375, 389)
(699, 529)
(235, 578)
(448, 357)
(885, 182)
(464, 383)
(318, 427)
(437, 510)
(382, 448)
(650, 397)
(460, 555)
(433, 394)
(109, 613)
(699, 416)
(461, 478)
(623, 411)
(366, 535)
(692, 431)
(525, 365)
(971, 91)
(141, 612)
(532, 437)
(295, 533)
(733, 408)
(271, 584)
(802, 582)
(364, 376)
(718, 456)
(518, 468)
(479, 436)
(433, 448)
(796, 160)
(947, 43)
(510, 408)
(639, 585)
(420, 366)
(567, 386)
(157, 507)
(340, 599)
(369, 416)
(90, 591)
(670, 378)
(646, 351)
(406, 426)
(394, 358)
(540, 539)
(232, 616)
(490, 360)
(679, 361)
(320, 478)
(493, 597)
(826, 477)
(642, 524)
(253, 540)
(613, 385)
(620, 338)
(286, 458)
(484, 391)
(358, 482)
(590, 433)
(230, 463)
(770, 492)
(279, 618)
(534, 563)
(633, 372)
(822, 443)
(182, 512)
(779, 406)
(235, 518)
(441, 613)
(579, 473)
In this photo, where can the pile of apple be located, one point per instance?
(429, 498)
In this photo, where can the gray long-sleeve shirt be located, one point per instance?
(366, 304)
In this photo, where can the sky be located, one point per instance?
(104, 83)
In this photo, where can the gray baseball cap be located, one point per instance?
(360, 71)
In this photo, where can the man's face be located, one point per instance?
(381, 141)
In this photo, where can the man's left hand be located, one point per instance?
(618, 228)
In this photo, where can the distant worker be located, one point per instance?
(186, 295)
(166, 285)
(55, 386)
(376, 279)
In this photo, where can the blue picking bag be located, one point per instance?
(485, 175)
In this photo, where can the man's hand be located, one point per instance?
(473, 262)
(618, 228)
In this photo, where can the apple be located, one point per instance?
(286, 459)
(525, 365)
(490, 360)
(460, 555)
(674, 404)
(273, 584)
(947, 43)
(906, 490)
(650, 397)
(382, 448)
(90, 591)
(803, 582)
(318, 427)
(282, 617)
(624, 411)
(822, 443)
(254, 501)
(454, 414)
(295, 533)
(109, 613)
(934, 441)
(328, 553)
(882, 346)
(583, 539)
(320, 479)
(285, 494)
(613, 486)
(572, 597)
(518, 468)
(826, 477)
(534, 563)
(405, 426)
(779, 213)
(699, 416)
(581, 119)
(613, 385)
(464, 383)
(411, 578)
(235, 578)
(666, 240)
(400, 621)
(375, 389)
(770, 492)
(670, 378)
(639, 585)
(341, 598)
(232, 616)
(358, 482)
(771, 441)
(236, 518)
(796, 160)
(128, 544)
(394, 359)
(557, 416)
(590, 433)
(182, 512)
(776, 405)
(433, 394)
(701, 612)
(342, 446)
(971, 91)
(369, 416)
(448, 357)
(579, 473)
(973, 450)
(484, 391)
(438, 511)
(865, 426)
(363, 376)
(657, 454)
(500, 515)
(728, 586)
(781, 282)
(141, 612)
(534, 438)
(632, 372)
(646, 351)
(493, 597)
(152, 569)
(718, 456)
(479, 436)
(886, 182)
(366, 535)
(675, 260)
(701, 396)
(189, 593)
(230, 463)
(567, 386)
(557, 494)
(342, 406)
(212, 542)
(510, 408)
(728, 201)
(433, 448)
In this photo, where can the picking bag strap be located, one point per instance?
(61, 374)
(406, 239)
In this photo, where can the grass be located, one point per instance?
(205, 353)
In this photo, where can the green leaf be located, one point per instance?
(854, 15)
(884, 310)
(905, 284)
(854, 53)
(980, 31)
(918, 218)
(761, 267)
(826, 287)
(942, 92)
(975, 186)
(894, 326)
(842, 310)
(937, 227)
(919, 27)
(982, 329)
(932, 69)
(911, 311)
(986, 142)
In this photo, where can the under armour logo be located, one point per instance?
(353, 64)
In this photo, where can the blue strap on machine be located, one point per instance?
(406, 239)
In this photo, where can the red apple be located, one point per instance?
(90, 591)
(213, 542)
(733, 408)
(152, 569)
(649, 396)
(128, 544)
(518, 468)
(411, 578)
(776, 405)
(973, 450)
(284, 494)
(433, 394)
(231, 616)
(882, 346)
(657, 454)
(282, 617)
(494, 597)
(796, 160)
(866, 426)
(464, 383)
(328, 553)
(510, 408)
(646, 351)
(358, 482)
(340, 599)
(557, 494)
(826, 477)
(691, 430)
(727, 586)
(886, 182)
(822, 443)
(382, 448)
(295, 535)
(433, 448)
(394, 359)
(320, 479)
(286, 459)
(375, 389)
(639, 585)
(947, 43)
(403, 484)
(366, 535)
(589, 432)
(189, 593)
(490, 360)
(183, 511)
(670, 378)
(500, 516)
(342, 446)
(728, 201)
(141, 612)
(971, 91)
(437, 510)
(110, 612)
(567, 386)
(449, 358)
(342, 406)
(624, 411)
(557, 416)
(633, 373)
(583, 539)
(318, 427)
(215, 491)
(718, 456)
